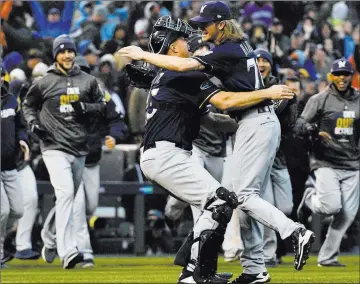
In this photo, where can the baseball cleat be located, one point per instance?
(302, 240)
(71, 261)
(6, 256)
(87, 263)
(244, 278)
(27, 254)
(48, 255)
(186, 277)
(331, 264)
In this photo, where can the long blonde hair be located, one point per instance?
(232, 31)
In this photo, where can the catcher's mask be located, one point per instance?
(165, 31)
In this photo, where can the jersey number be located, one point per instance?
(252, 63)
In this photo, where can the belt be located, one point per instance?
(259, 110)
(153, 145)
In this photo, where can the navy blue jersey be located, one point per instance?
(13, 129)
(234, 63)
(175, 104)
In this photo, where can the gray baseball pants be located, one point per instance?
(232, 240)
(11, 200)
(257, 140)
(174, 170)
(174, 208)
(28, 187)
(278, 192)
(65, 173)
(336, 193)
(86, 200)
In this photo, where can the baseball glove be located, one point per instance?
(139, 76)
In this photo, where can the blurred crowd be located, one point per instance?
(306, 37)
(309, 36)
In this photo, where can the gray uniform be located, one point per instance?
(85, 202)
(27, 183)
(257, 141)
(335, 164)
(186, 179)
(48, 104)
(11, 200)
(209, 150)
(279, 193)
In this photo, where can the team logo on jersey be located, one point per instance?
(205, 85)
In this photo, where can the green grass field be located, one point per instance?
(161, 270)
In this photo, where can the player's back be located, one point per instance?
(234, 63)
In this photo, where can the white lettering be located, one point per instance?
(344, 131)
(7, 112)
(66, 108)
(349, 114)
(73, 91)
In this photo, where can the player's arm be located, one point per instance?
(242, 100)
(173, 63)
(219, 122)
(32, 104)
(305, 123)
(97, 107)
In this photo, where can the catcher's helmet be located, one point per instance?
(165, 31)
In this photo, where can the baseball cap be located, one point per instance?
(212, 11)
(341, 65)
(63, 42)
(263, 53)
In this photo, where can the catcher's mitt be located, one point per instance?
(139, 76)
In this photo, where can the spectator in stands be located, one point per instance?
(332, 53)
(326, 30)
(86, 9)
(246, 24)
(322, 62)
(90, 29)
(282, 40)
(87, 49)
(260, 12)
(53, 24)
(119, 39)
